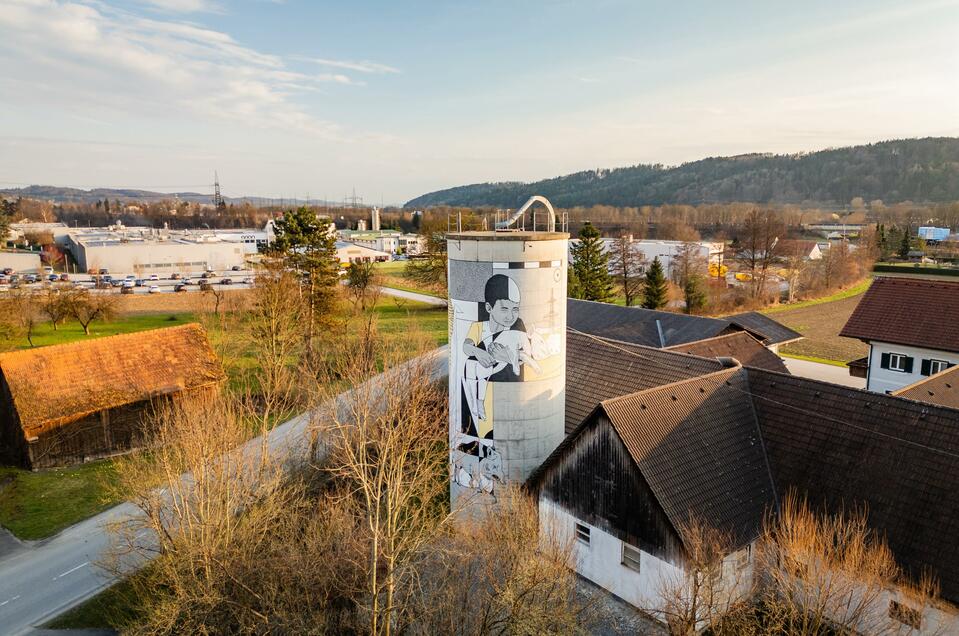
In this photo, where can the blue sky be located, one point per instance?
(290, 98)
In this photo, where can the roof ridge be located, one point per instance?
(9, 355)
(735, 334)
(667, 350)
(622, 398)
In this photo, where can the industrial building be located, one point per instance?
(20, 261)
(709, 252)
(153, 252)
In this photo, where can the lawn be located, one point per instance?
(395, 316)
(71, 330)
(35, 505)
(393, 274)
(850, 292)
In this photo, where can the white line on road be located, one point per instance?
(9, 599)
(71, 570)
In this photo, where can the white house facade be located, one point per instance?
(894, 366)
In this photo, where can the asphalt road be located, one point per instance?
(42, 580)
(423, 298)
(824, 372)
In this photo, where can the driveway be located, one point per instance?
(824, 372)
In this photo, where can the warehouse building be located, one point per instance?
(153, 253)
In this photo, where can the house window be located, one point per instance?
(905, 615)
(896, 362)
(631, 557)
(932, 367)
(582, 533)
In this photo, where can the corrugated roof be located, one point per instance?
(598, 369)
(60, 383)
(910, 311)
(697, 444)
(771, 332)
(740, 345)
(941, 388)
(637, 325)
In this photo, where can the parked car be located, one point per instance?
(31, 278)
(207, 275)
(129, 283)
(179, 287)
(187, 281)
(248, 280)
(116, 282)
(130, 277)
(174, 276)
(8, 270)
(47, 269)
(154, 277)
(103, 271)
(236, 268)
(53, 278)
(226, 281)
(106, 277)
(138, 282)
(4, 279)
(126, 290)
(154, 289)
(64, 276)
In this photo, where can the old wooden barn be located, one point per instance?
(71, 403)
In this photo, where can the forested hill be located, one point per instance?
(893, 171)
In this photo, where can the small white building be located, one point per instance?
(20, 261)
(912, 328)
(348, 253)
(709, 252)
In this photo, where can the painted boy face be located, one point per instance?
(504, 312)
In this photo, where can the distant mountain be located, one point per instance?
(893, 171)
(76, 195)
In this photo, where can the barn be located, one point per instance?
(71, 403)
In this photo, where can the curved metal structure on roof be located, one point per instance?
(518, 214)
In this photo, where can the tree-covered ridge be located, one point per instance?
(893, 171)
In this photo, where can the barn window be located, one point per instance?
(631, 557)
(905, 615)
(582, 533)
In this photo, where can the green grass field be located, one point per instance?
(35, 505)
(68, 332)
(393, 274)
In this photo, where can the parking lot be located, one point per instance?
(144, 284)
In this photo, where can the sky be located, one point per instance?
(289, 98)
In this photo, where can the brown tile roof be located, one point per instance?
(740, 345)
(941, 388)
(909, 311)
(768, 330)
(843, 447)
(697, 444)
(60, 383)
(598, 369)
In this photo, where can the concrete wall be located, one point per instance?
(158, 257)
(21, 262)
(884, 380)
(602, 563)
(505, 417)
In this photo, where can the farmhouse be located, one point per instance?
(70, 403)
(910, 327)
(725, 444)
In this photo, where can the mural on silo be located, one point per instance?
(497, 337)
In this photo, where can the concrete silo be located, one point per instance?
(507, 334)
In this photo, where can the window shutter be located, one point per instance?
(908, 364)
(924, 367)
(884, 361)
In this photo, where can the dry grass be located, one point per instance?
(820, 324)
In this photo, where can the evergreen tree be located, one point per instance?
(305, 243)
(694, 294)
(591, 267)
(655, 287)
(904, 244)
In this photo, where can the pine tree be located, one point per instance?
(904, 245)
(693, 294)
(655, 287)
(305, 243)
(591, 267)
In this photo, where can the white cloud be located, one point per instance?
(184, 6)
(362, 66)
(95, 56)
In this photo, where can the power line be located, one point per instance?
(772, 401)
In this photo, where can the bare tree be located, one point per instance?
(626, 263)
(23, 312)
(759, 237)
(53, 303)
(690, 268)
(85, 307)
(832, 573)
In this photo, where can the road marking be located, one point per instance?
(9, 599)
(71, 570)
